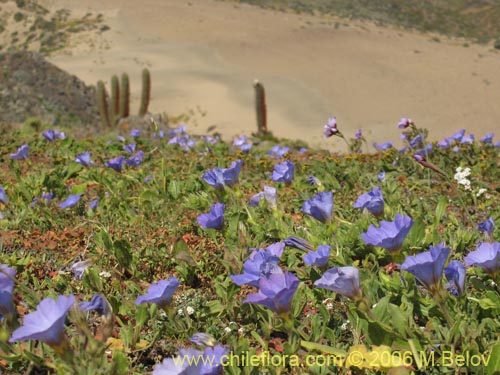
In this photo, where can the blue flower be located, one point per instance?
(70, 201)
(115, 163)
(22, 153)
(381, 176)
(298, 243)
(488, 138)
(373, 201)
(177, 131)
(383, 146)
(261, 263)
(405, 123)
(135, 132)
(194, 362)
(84, 159)
(455, 273)
(243, 143)
(486, 256)
(93, 204)
(3, 196)
(184, 141)
(319, 257)
(313, 180)
(331, 127)
(457, 136)
(160, 293)
(220, 177)
(202, 339)
(283, 172)
(79, 268)
(487, 227)
(136, 159)
(416, 141)
(341, 280)
(269, 194)
(97, 303)
(7, 276)
(278, 151)
(467, 139)
(214, 219)
(320, 206)
(275, 292)
(428, 266)
(46, 324)
(130, 148)
(390, 235)
(52, 135)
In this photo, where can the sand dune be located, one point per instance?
(206, 54)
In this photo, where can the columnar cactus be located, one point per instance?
(102, 104)
(125, 96)
(114, 105)
(146, 92)
(260, 107)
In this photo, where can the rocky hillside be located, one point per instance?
(30, 86)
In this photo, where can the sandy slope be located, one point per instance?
(207, 53)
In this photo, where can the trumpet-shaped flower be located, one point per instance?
(269, 194)
(70, 201)
(298, 243)
(341, 280)
(486, 256)
(382, 146)
(135, 133)
(7, 276)
(220, 177)
(275, 292)
(115, 163)
(319, 257)
(487, 227)
(160, 293)
(331, 127)
(84, 159)
(278, 151)
(320, 206)
(97, 303)
(3, 196)
(52, 135)
(214, 219)
(262, 263)
(136, 159)
(46, 324)
(405, 123)
(22, 153)
(194, 362)
(284, 172)
(455, 273)
(202, 339)
(487, 138)
(428, 266)
(390, 235)
(130, 148)
(373, 201)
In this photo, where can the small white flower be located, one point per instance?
(189, 310)
(343, 327)
(105, 274)
(180, 312)
(241, 331)
(374, 305)
(228, 329)
(329, 306)
(481, 192)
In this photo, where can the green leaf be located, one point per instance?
(120, 363)
(181, 253)
(121, 250)
(322, 348)
(493, 367)
(417, 233)
(441, 209)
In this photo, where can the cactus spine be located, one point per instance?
(125, 96)
(102, 104)
(260, 108)
(114, 105)
(146, 92)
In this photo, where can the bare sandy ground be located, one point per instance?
(204, 55)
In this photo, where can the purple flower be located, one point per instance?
(467, 139)
(194, 362)
(3, 196)
(22, 153)
(220, 177)
(269, 194)
(487, 227)
(120, 138)
(416, 141)
(160, 293)
(135, 160)
(331, 127)
(278, 151)
(160, 134)
(455, 273)
(79, 268)
(381, 176)
(177, 131)
(428, 266)
(130, 148)
(214, 219)
(390, 234)
(84, 159)
(445, 143)
(211, 140)
(243, 143)
(7, 276)
(98, 303)
(283, 172)
(458, 135)
(341, 280)
(373, 201)
(313, 180)
(319, 257)
(488, 138)
(358, 135)
(298, 243)
(70, 201)
(115, 163)
(135, 132)
(47, 197)
(46, 324)
(405, 123)
(93, 204)
(275, 292)
(383, 146)
(320, 206)
(427, 150)
(261, 263)
(202, 339)
(183, 141)
(52, 135)
(486, 256)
